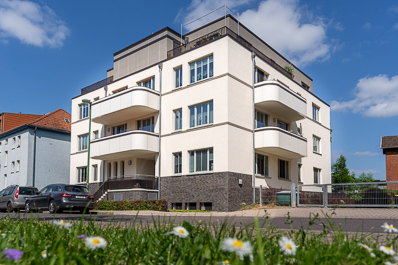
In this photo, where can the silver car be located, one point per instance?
(14, 197)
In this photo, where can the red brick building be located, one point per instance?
(389, 144)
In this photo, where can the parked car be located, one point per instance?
(59, 197)
(13, 197)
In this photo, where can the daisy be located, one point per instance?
(179, 231)
(13, 254)
(288, 246)
(44, 254)
(94, 242)
(370, 250)
(235, 245)
(225, 262)
(387, 250)
(62, 224)
(389, 228)
(395, 261)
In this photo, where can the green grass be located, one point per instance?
(137, 243)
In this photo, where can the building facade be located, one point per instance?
(389, 144)
(213, 113)
(35, 153)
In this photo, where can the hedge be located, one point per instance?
(154, 205)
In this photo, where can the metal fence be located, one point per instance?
(368, 194)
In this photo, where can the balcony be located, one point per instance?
(280, 142)
(128, 104)
(125, 145)
(273, 97)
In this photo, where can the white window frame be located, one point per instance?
(265, 165)
(145, 82)
(299, 166)
(315, 113)
(95, 134)
(316, 144)
(265, 119)
(151, 122)
(123, 128)
(84, 111)
(194, 66)
(193, 168)
(280, 122)
(209, 110)
(95, 172)
(178, 120)
(317, 175)
(17, 166)
(5, 158)
(177, 163)
(12, 166)
(81, 174)
(6, 142)
(19, 141)
(257, 70)
(83, 142)
(14, 141)
(286, 169)
(178, 76)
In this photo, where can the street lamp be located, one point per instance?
(86, 101)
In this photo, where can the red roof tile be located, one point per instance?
(389, 142)
(58, 120)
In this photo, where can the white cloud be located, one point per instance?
(31, 24)
(375, 96)
(367, 26)
(283, 24)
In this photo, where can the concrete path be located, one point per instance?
(302, 212)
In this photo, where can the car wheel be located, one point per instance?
(52, 207)
(9, 207)
(27, 207)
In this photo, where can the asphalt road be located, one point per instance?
(346, 225)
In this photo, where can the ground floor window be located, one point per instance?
(95, 172)
(261, 165)
(81, 174)
(317, 175)
(201, 160)
(283, 169)
(177, 163)
(299, 172)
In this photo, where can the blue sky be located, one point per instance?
(49, 50)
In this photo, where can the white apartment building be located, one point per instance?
(213, 113)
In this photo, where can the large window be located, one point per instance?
(149, 83)
(83, 142)
(283, 169)
(83, 111)
(316, 144)
(315, 113)
(283, 125)
(261, 165)
(201, 160)
(119, 129)
(261, 120)
(178, 72)
(81, 174)
(201, 69)
(178, 119)
(146, 125)
(317, 175)
(259, 76)
(201, 114)
(177, 163)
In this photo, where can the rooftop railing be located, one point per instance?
(96, 85)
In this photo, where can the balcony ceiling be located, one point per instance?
(127, 154)
(124, 115)
(276, 107)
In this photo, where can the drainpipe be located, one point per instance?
(160, 123)
(34, 159)
(254, 127)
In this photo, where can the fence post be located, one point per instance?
(325, 195)
(261, 195)
(293, 195)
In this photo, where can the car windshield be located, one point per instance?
(76, 189)
(27, 190)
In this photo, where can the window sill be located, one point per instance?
(202, 80)
(288, 180)
(200, 126)
(317, 153)
(177, 175)
(262, 176)
(177, 131)
(200, 173)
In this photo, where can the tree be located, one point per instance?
(365, 177)
(340, 172)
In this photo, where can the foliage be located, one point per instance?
(138, 205)
(341, 174)
(290, 69)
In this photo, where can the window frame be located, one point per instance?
(265, 165)
(316, 144)
(84, 111)
(95, 172)
(299, 166)
(315, 113)
(116, 131)
(178, 76)
(266, 119)
(17, 166)
(317, 175)
(151, 126)
(209, 110)
(81, 143)
(256, 75)
(177, 163)
(144, 82)
(193, 168)
(282, 122)
(80, 177)
(18, 141)
(177, 120)
(193, 71)
(286, 169)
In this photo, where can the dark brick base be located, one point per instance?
(221, 189)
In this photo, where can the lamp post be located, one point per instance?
(86, 101)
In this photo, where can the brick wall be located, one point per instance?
(391, 164)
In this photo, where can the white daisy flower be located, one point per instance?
(62, 224)
(387, 250)
(287, 246)
(395, 261)
(44, 254)
(369, 249)
(225, 262)
(389, 228)
(94, 242)
(235, 245)
(179, 231)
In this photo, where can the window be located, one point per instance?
(83, 142)
(283, 125)
(12, 166)
(201, 69)
(115, 169)
(201, 114)
(299, 172)
(118, 196)
(317, 175)
(178, 119)
(6, 142)
(178, 72)
(305, 86)
(17, 166)
(149, 83)
(122, 169)
(13, 142)
(259, 76)
(97, 98)
(95, 134)
(83, 111)
(316, 142)
(146, 125)
(5, 158)
(95, 172)
(315, 113)
(109, 171)
(0, 147)
(261, 120)
(119, 129)
(119, 90)
(177, 163)
(81, 174)
(201, 160)
(19, 141)
(261, 165)
(283, 169)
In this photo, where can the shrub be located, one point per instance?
(375, 196)
(154, 205)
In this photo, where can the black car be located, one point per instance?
(59, 197)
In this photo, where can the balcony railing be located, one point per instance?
(96, 85)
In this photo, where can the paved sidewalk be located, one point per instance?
(302, 212)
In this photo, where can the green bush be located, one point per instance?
(138, 205)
